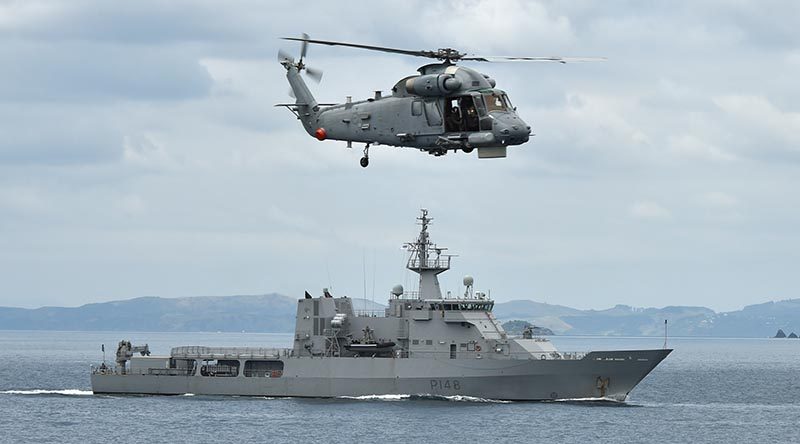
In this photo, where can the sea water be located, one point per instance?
(707, 390)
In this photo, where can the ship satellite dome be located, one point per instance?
(397, 290)
(468, 281)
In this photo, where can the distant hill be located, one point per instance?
(264, 313)
(761, 320)
(276, 313)
(517, 328)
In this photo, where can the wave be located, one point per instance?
(605, 401)
(377, 397)
(394, 397)
(63, 392)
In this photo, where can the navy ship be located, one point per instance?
(424, 343)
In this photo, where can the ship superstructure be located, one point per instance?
(423, 343)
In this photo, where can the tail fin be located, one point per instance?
(307, 107)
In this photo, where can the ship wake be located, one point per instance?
(63, 392)
(604, 401)
(424, 397)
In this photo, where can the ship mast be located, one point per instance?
(427, 260)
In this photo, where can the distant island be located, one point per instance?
(780, 334)
(275, 313)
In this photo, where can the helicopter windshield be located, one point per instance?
(496, 102)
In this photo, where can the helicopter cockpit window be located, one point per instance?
(507, 101)
(496, 102)
(479, 105)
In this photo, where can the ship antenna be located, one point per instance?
(374, 271)
(364, 273)
(328, 271)
(665, 334)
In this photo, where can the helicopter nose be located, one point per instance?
(511, 130)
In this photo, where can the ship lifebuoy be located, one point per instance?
(477, 348)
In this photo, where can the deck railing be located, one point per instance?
(200, 352)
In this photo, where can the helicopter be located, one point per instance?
(444, 108)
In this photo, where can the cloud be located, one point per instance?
(718, 199)
(86, 72)
(21, 199)
(139, 139)
(689, 145)
(499, 26)
(55, 135)
(770, 134)
(648, 210)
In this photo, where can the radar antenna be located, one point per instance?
(427, 260)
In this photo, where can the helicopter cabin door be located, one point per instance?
(432, 115)
(460, 115)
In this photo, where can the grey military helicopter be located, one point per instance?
(443, 108)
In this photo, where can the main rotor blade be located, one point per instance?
(429, 54)
(533, 59)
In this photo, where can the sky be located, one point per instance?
(141, 154)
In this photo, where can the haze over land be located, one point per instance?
(140, 153)
(276, 313)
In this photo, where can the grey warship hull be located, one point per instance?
(600, 374)
(421, 344)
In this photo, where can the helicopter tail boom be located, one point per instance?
(307, 108)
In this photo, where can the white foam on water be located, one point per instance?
(604, 399)
(378, 397)
(188, 394)
(65, 392)
(455, 398)
(464, 398)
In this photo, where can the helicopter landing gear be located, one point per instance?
(365, 160)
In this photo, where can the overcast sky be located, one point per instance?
(140, 154)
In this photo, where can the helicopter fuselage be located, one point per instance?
(445, 107)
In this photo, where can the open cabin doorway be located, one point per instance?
(460, 115)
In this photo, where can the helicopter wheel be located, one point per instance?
(467, 149)
(365, 160)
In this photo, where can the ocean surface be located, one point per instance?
(707, 390)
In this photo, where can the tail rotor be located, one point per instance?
(287, 60)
